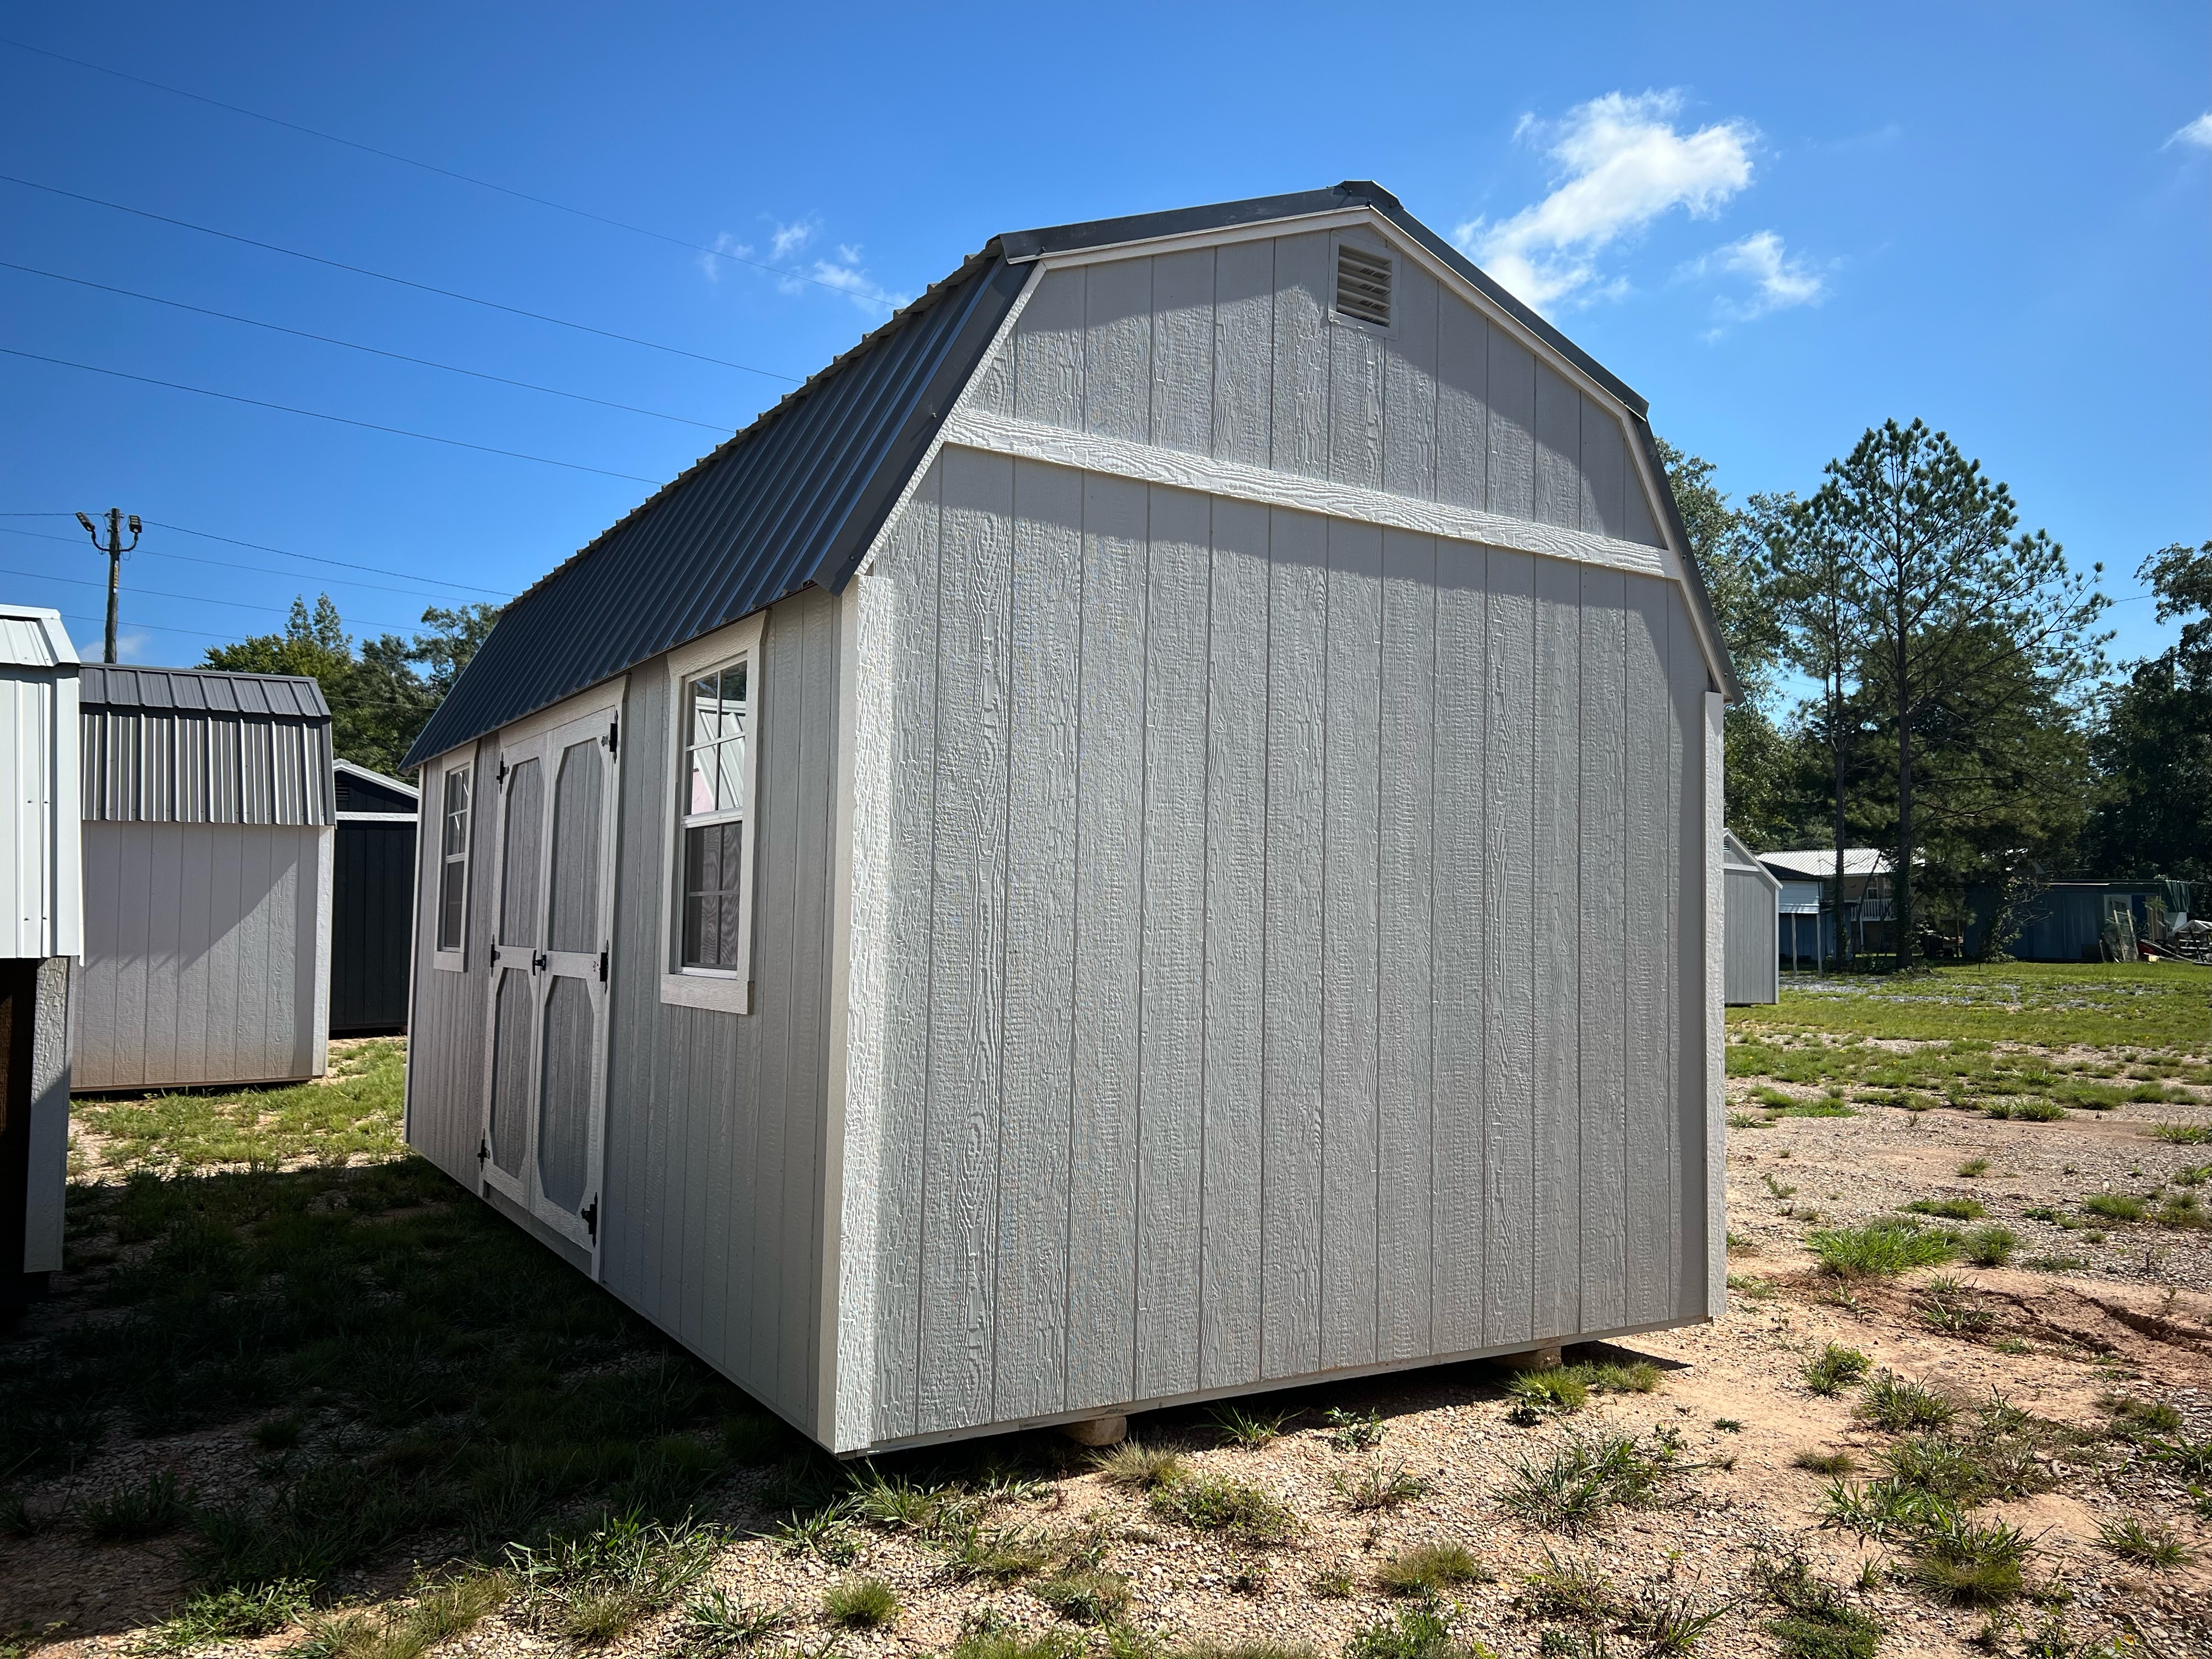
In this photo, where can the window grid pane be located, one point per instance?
(712, 859)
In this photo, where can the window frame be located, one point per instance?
(452, 959)
(725, 990)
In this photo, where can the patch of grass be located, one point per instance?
(1973, 1169)
(2193, 1174)
(1563, 1587)
(1899, 1405)
(1087, 1595)
(1135, 1467)
(1952, 1309)
(2055, 1264)
(1377, 1485)
(2148, 1544)
(1673, 1625)
(1816, 1621)
(1001, 1555)
(1429, 1569)
(2181, 1134)
(1977, 1563)
(1880, 1248)
(860, 1604)
(352, 1113)
(2115, 1207)
(234, 1614)
(2190, 1459)
(1777, 1188)
(2183, 1210)
(716, 1623)
(1537, 1395)
(988, 1639)
(1728, 1425)
(1638, 1377)
(436, 1610)
(1250, 1430)
(1835, 1368)
(1973, 1006)
(1883, 1509)
(1951, 1209)
(2135, 1418)
(1816, 1108)
(1209, 1502)
(1331, 1584)
(1990, 1247)
(2037, 1111)
(1419, 1631)
(1571, 1491)
(1746, 1121)
(1831, 1464)
(595, 1586)
(156, 1505)
(1353, 1430)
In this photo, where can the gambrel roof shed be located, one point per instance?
(1054, 873)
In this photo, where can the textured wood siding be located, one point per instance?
(1232, 353)
(206, 954)
(1754, 952)
(447, 1028)
(1271, 947)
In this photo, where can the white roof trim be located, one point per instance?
(63, 651)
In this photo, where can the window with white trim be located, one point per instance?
(455, 810)
(712, 857)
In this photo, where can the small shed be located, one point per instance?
(1754, 971)
(41, 927)
(1042, 879)
(208, 809)
(371, 901)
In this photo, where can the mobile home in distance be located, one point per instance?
(1045, 876)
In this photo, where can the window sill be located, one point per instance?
(450, 962)
(728, 996)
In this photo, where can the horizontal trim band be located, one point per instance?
(1085, 452)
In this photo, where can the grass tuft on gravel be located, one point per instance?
(860, 1604)
(1835, 1368)
(1135, 1467)
(1429, 1569)
(1210, 1502)
(1572, 1489)
(232, 1615)
(1881, 1248)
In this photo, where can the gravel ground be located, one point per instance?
(2133, 1318)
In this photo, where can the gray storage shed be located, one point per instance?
(1044, 878)
(41, 927)
(1755, 926)
(207, 875)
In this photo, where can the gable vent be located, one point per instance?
(1363, 285)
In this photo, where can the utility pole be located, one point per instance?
(115, 551)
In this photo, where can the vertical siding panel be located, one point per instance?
(1462, 404)
(1559, 449)
(1301, 412)
(1511, 1016)
(1048, 352)
(1355, 404)
(634, 1014)
(910, 829)
(1406, 1141)
(1109, 881)
(967, 941)
(1558, 934)
(1031, 1356)
(1605, 472)
(1512, 400)
(1637, 524)
(779, 1162)
(1461, 932)
(1686, 1155)
(1170, 1097)
(1182, 350)
(1289, 1333)
(1351, 940)
(1603, 951)
(1243, 352)
(1650, 914)
(1409, 391)
(1117, 351)
(806, 1103)
(1235, 911)
(196, 931)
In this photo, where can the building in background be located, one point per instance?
(372, 903)
(41, 930)
(209, 809)
(1754, 971)
(1807, 902)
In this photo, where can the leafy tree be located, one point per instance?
(379, 701)
(1814, 609)
(1947, 594)
(2154, 748)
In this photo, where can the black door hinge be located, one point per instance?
(538, 962)
(483, 1151)
(614, 736)
(589, 1215)
(495, 956)
(603, 966)
(503, 772)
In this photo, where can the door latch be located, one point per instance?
(483, 1151)
(614, 737)
(603, 966)
(495, 956)
(538, 962)
(589, 1215)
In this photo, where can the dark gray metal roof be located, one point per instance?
(794, 499)
(289, 696)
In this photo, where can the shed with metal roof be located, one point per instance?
(207, 832)
(371, 901)
(1041, 878)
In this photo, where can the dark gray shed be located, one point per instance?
(371, 901)
(1042, 879)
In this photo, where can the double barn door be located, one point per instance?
(546, 1064)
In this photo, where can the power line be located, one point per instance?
(318, 415)
(448, 172)
(224, 564)
(195, 598)
(385, 276)
(316, 558)
(353, 345)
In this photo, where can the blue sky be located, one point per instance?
(1777, 227)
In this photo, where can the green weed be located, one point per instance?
(593, 1587)
(2148, 1544)
(2181, 1134)
(1951, 1209)
(1835, 1368)
(1209, 1502)
(436, 1610)
(1971, 1562)
(1353, 1430)
(1250, 1430)
(1880, 1248)
(1815, 1622)
(1136, 1467)
(1536, 1395)
(1584, 1479)
(1428, 1568)
(154, 1506)
(717, 1623)
(1831, 1464)
(235, 1614)
(1897, 1404)
(1085, 1596)
(2115, 1207)
(1990, 1247)
(860, 1604)
(1377, 1487)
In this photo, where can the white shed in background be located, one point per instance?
(1753, 972)
(208, 829)
(41, 927)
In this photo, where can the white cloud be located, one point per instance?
(129, 648)
(845, 273)
(848, 277)
(1622, 164)
(791, 238)
(1778, 280)
(727, 244)
(2197, 132)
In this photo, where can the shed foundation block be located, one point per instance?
(1532, 1359)
(1098, 1431)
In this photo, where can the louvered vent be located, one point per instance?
(1363, 285)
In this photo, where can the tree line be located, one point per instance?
(1924, 676)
